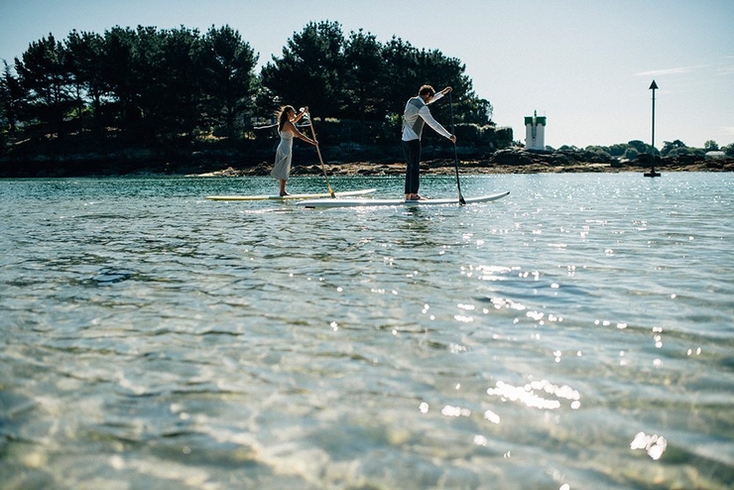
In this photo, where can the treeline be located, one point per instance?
(635, 148)
(173, 87)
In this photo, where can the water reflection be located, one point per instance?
(653, 444)
(533, 394)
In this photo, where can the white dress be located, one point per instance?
(283, 156)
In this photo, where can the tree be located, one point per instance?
(151, 84)
(360, 78)
(671, 148)
(175, 93)
(641, 148)
(119, 62)
(228, 79)
(364, 92)
(476, 111)
(310, 70)
(617, 150)
(630, 153)
(44, 77)
(399, 75)
(406, 68)
(711, 145)
(153, 81)
(11, 95)
(600, 151)
(84, 57)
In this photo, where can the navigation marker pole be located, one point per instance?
(652, 172)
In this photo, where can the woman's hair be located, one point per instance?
(283, 115)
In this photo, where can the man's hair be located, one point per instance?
(426, 90)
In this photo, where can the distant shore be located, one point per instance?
(536, 165)
(507, 161)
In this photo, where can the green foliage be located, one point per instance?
(711, 145)
(228, 80)
(678, 148)
(84, 54)
(617, 150)
(121, 73)
(154, 85)
(671, 148)
(357, 77)
(641, 147)
(363, 91)
(310, 70)
(46, 81)
(170, 90)
(630, 153)
(11, 96)
(601, 152)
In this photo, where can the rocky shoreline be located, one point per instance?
(234, 164)
(502, 162)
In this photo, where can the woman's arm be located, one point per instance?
(289, 126)
(302, 112)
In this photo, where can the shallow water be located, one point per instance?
(575, 334)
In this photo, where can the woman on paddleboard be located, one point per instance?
(287, 119)
(415, 116)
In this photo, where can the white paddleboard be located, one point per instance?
(291, 196)
(337, 203)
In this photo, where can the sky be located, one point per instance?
(586, 65)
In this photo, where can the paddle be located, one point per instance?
(456, 154)
(318, 150)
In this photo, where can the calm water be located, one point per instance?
(576, 334)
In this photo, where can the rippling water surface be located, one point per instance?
(575, 334)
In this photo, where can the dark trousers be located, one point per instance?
(412, 151)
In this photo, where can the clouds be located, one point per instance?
(682, 70)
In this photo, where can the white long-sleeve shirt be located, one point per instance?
(416, 114)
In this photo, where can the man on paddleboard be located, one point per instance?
(414, 118)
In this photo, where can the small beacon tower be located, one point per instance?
(535, 132)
